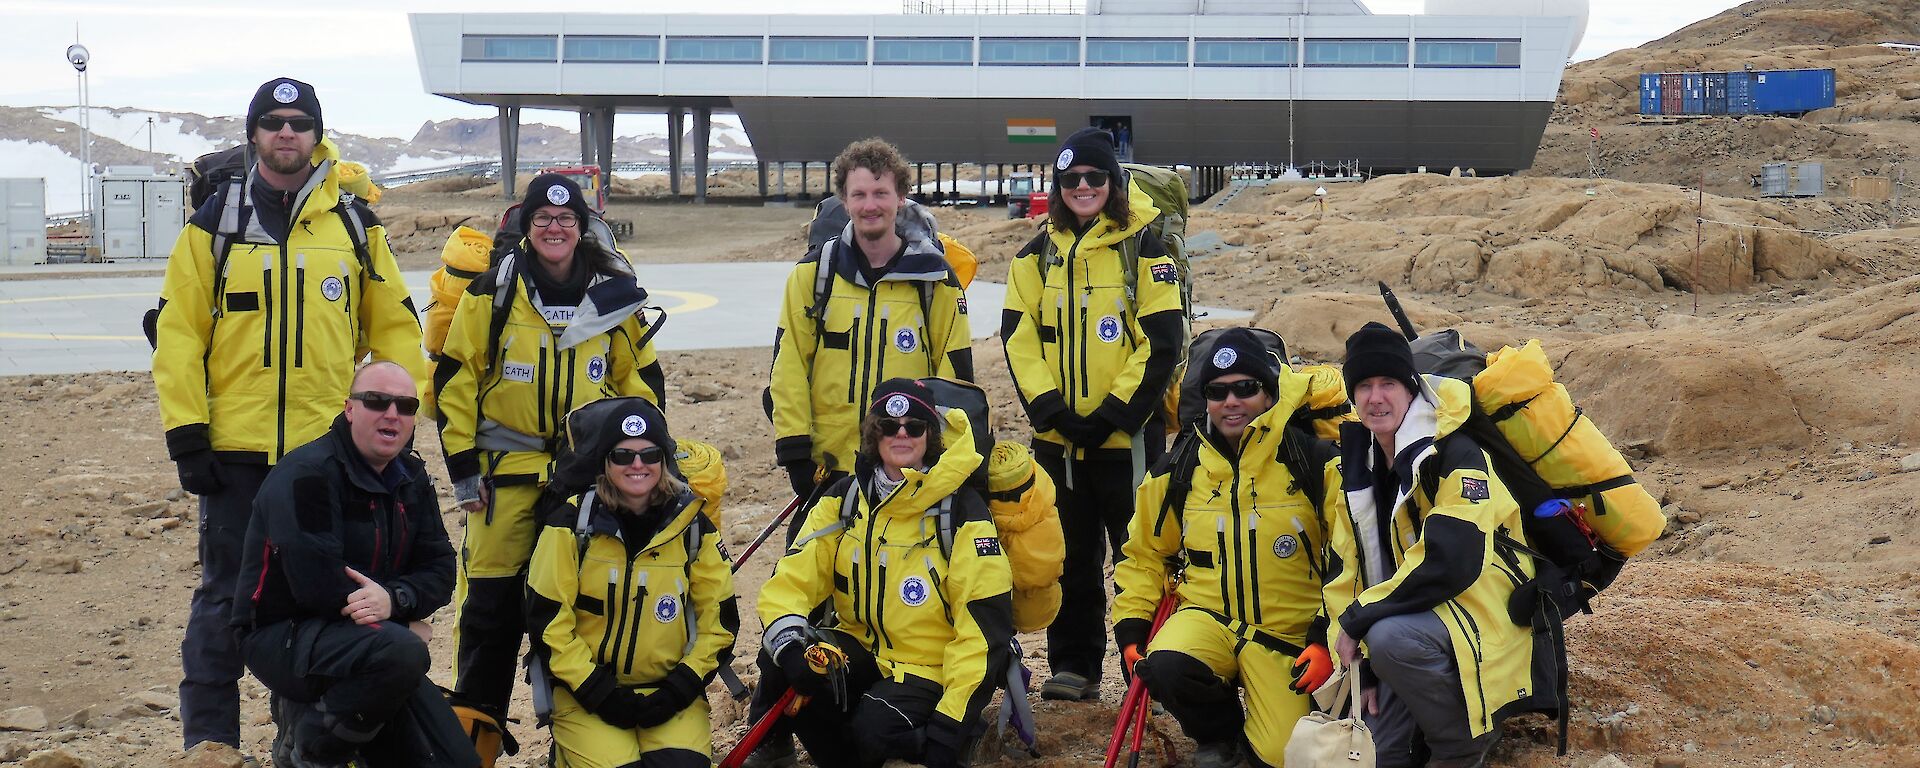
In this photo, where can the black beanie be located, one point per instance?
(1237, 350)
(1376, 350)
(595, 428)
(1089, 146)
(288, 93)
(904, 398)
(552, 189)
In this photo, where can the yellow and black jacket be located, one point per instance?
(1075, 342)
(630, 613)
(500, 404)
(911, 322)
(1436, 533)
(943, 618)
(1252, 541)
(254, 360)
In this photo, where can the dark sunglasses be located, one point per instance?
(1094, 179)
(379, 402)
(276, 122)
(623, 457)
(914, 427)
(1243, 389)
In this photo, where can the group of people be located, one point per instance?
(888, 621)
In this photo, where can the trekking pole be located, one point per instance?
(766, 532)
(825, 659)
(1137, 702)
(759, 732)
(1399, 315)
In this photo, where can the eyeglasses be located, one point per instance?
(623, 457)
(914, 427)
(566, 220)
(1243, 389)
(379, 402)
(272, 123)
(1094, 179)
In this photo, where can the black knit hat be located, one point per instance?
(284, 92)
(1237, 350)
(552, 189)
(1088, 146)
(904, 398)
(592, 430)
(1376, 350)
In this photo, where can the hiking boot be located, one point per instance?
(1069, 686)
(1218, 755)
(775, 752)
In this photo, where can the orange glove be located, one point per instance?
(1130, 656)
(1311, 669)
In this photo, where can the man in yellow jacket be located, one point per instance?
(893, 308)
(1092, 351)
(275, 289)
(1250, 612)
(1427, 562)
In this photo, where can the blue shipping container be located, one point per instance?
(1650, 94)
(1694, 100)
(1792, 91)
(1740, 93)
(1716, 93)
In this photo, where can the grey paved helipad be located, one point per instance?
(71, 323)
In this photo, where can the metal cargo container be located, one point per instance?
(1792, 180)
(1716, 83)
(1694, 97)
(1740, 93)
(1671, 91)
(23, 221)
(141, 212)
(1792, 91)
(1649, 94)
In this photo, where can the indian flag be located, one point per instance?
(1021, 131)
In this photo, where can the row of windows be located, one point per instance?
(992, 51)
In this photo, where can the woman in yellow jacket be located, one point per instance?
(1092, 351)
(554, 325)
(630, 601)
(920, 592)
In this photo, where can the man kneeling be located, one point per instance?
(344, 551)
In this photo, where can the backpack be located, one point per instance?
(830, 219)
(208, 172)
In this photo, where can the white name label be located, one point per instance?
(517, 372)
(558, 315)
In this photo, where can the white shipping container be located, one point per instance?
(141, 212)
(23, 221)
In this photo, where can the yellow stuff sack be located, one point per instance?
(700, 463)
(960, 259)
(1021, 497)
(354, 179)
(466, 255)
(1326, 402)
(1565, 447)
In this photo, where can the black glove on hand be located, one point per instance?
(792, 659)
(622, 708)
(679, 689)
(1084, 431)
(800, 476)
(944, 743)
(199, 472)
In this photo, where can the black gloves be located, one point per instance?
(792, 658)
(945, 743)
(1084, 431)
(622, 708)
(800, 475)
(199, 472)
(677, 690)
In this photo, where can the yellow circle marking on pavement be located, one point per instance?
(689, 300)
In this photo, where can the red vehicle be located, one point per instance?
(1024, 198)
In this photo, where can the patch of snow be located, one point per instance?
(967, 187)
(171, 136)
(410, 163)
(33, 159)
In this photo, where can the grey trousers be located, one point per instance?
(1412, 655)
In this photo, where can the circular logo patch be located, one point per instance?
(666, 609)
(332, 288)
(1285, 546)
(558, 195)
(1108, 329)
(596, 368)
(913, 591)
(1225, 357)
(897, 406)
(905, 340)
(285, 93)
(1066, 159)
(634, 426)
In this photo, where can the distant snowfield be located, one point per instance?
(33, 159)
(170, 135)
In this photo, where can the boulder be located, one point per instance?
(23, 719)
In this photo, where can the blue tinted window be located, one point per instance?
(1172, 52)
(1029, 51)
(1356, 53)
(509, 48)
(713, 50)
(1243, 53)
(1467, 53)
(923, 51)
(818, 50)
(642, 49)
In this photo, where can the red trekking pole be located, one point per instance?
(759, 732)
(767, 532)
(1135, 706)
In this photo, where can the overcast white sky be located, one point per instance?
(207, 56)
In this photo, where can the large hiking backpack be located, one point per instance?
(209, 171)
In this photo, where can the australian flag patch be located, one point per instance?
(1473, 489)
(1165, 273)
(986, 546)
